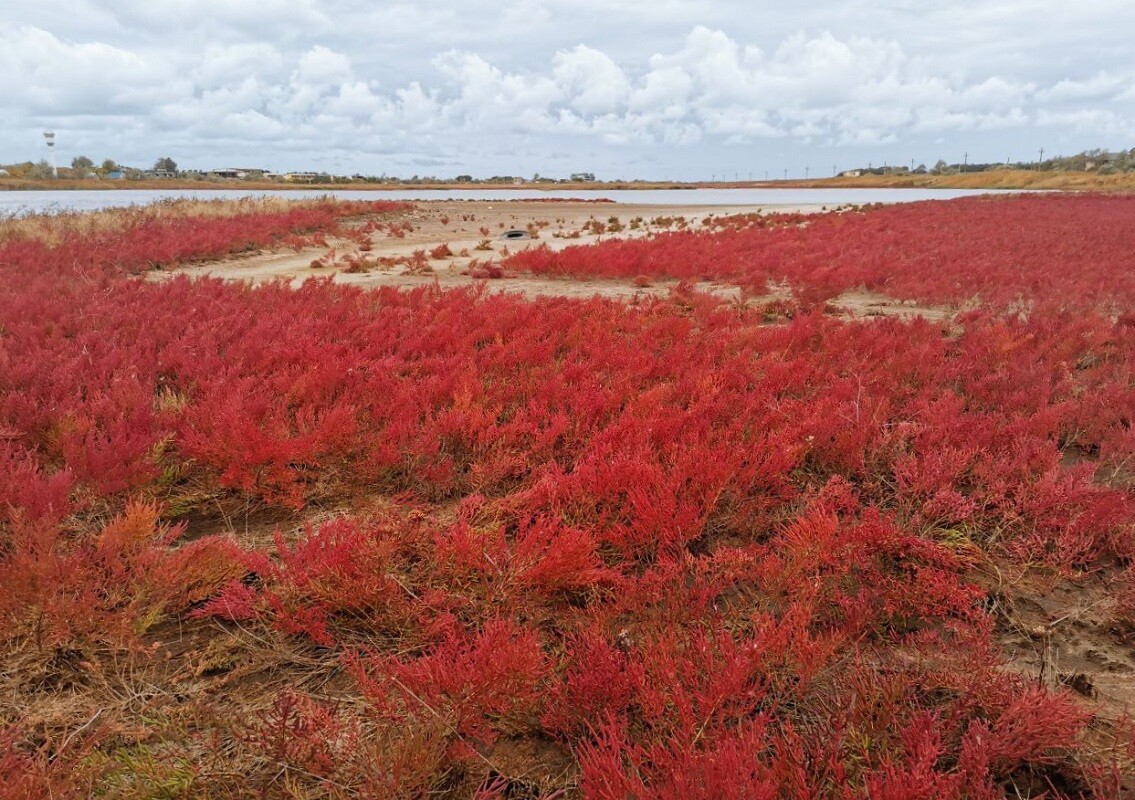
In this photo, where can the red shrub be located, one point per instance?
(111, 587)
(711, 555)
(481, 684)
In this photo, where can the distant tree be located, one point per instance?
(109, 166)
(40, 171)
(165, 164)
(20, 170)
(81, 162)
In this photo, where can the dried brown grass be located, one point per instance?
(52, 227)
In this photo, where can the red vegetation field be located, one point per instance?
(1066, 251)
(682, 548)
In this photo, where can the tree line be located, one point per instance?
(83, 166)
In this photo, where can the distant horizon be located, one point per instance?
(734, 177)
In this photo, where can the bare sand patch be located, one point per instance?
(475, 233)
(864, 303)
(1061, 632)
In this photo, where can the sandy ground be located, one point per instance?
(475, 232)
(1061, 633)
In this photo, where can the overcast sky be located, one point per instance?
(681, 89)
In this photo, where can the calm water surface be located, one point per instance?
(88, 200)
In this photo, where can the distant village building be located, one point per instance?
(585, 177)
(238, 173)
(851, 173)
(303, 177)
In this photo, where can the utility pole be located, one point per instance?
(766, 176)
(1041, 156)
(786, 173)
(965, 161)
(835, 170)
(806, 171)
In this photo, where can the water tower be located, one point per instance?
(49, 137)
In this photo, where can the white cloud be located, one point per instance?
(525, 16)
(221, 65)
(251, 125)
(538, 83)
(322, 67)
(665, 90)
(485, 90)
(593, 81)
(50, 76)
(1100, 86)
(1099, 120)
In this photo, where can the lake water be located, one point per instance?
(21, 202)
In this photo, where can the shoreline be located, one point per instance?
(996, 179)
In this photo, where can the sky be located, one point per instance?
(653, 89)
